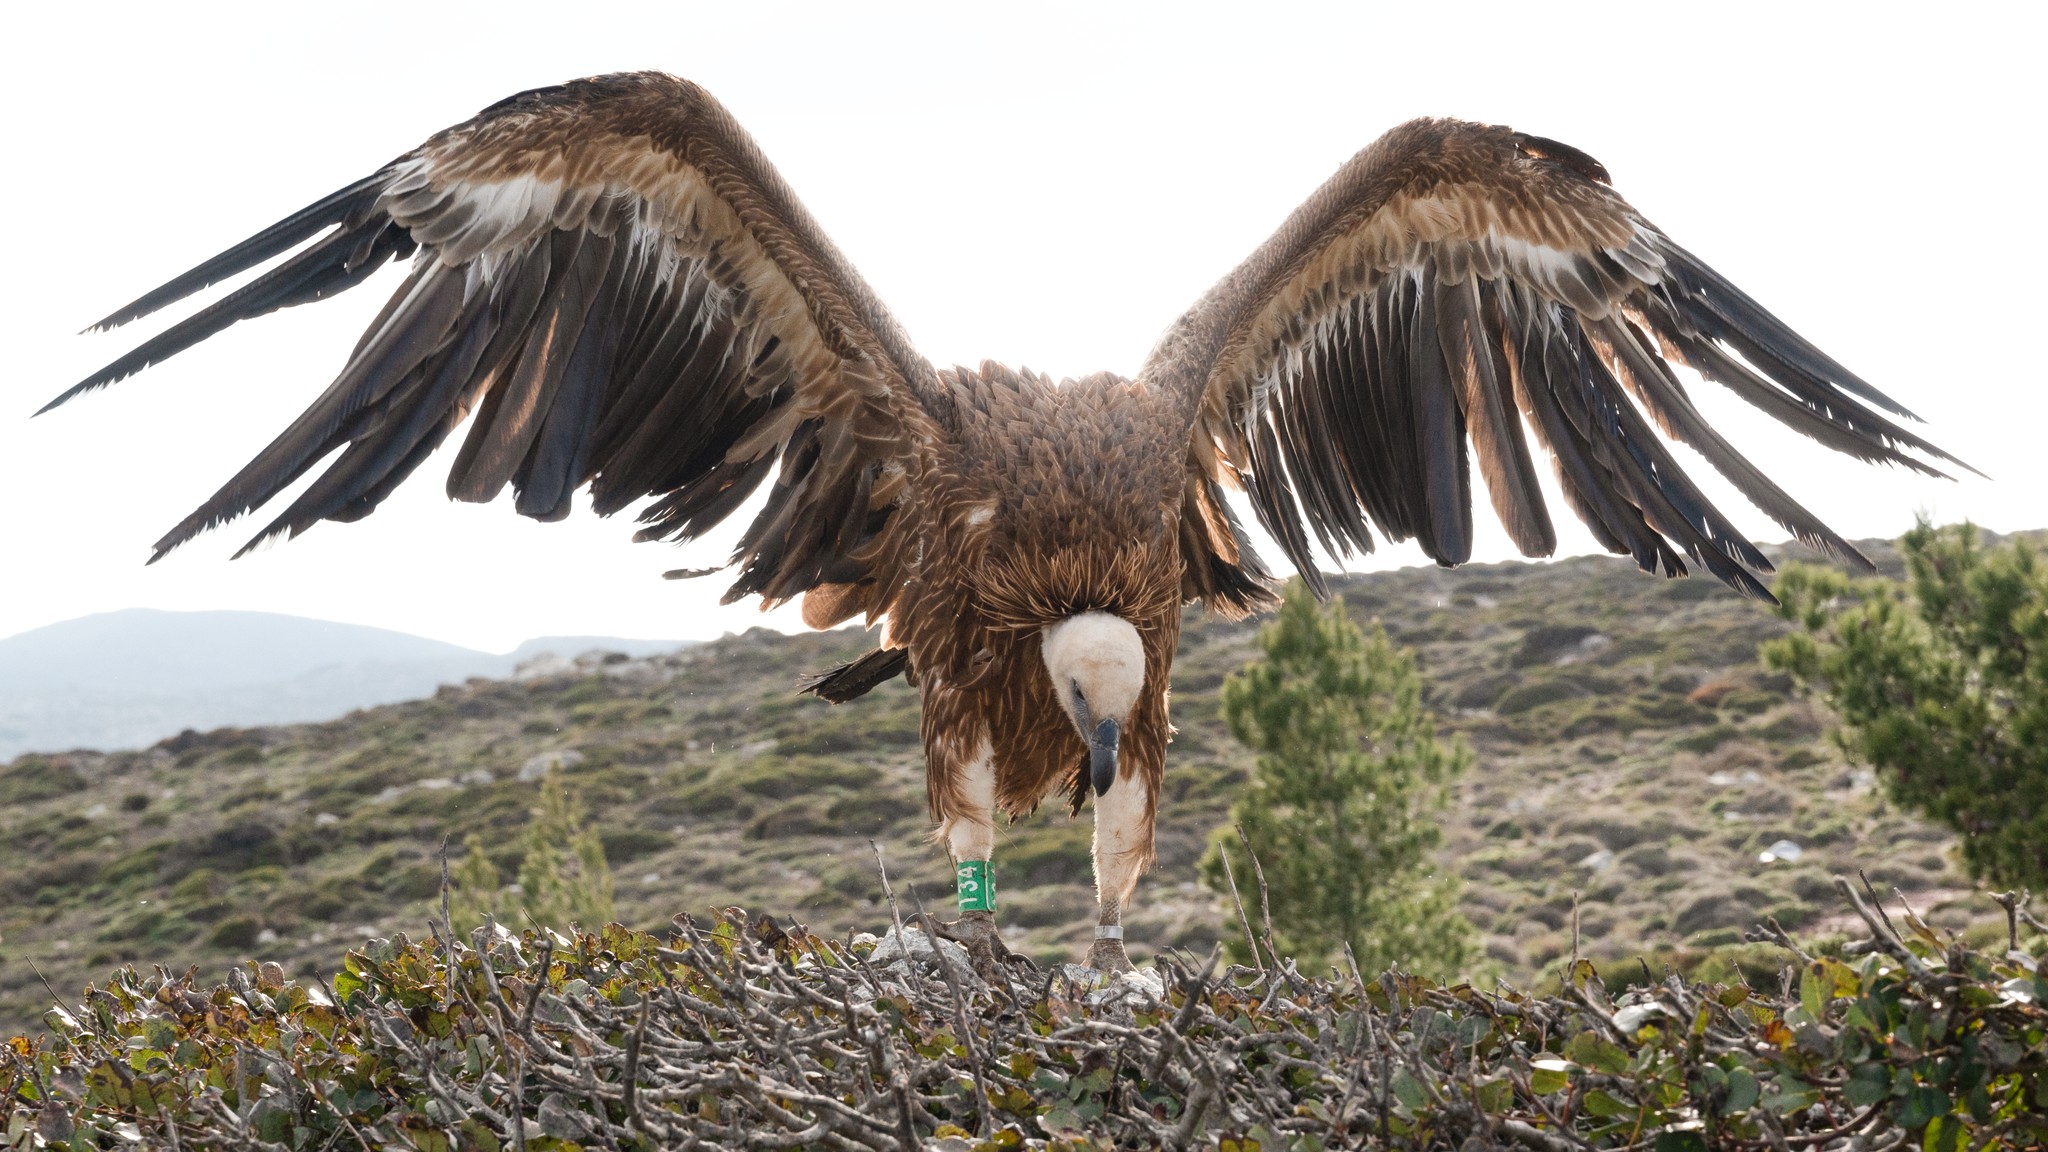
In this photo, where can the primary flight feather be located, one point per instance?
(613, 289)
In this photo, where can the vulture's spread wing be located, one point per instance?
(622, 292)
(1451, 283)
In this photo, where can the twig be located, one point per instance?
(1880, 928)
(2010, 901)
(895, 913)
(1265, 905)
(1573, 976)
(629, 1086)
(931, 935)
(547, 957)
(1877, 902)
(1251, 938)
(1193, 989)
(51, 989)
(447, 921)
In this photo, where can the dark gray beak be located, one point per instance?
(1102, 754)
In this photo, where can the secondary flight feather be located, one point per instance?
(613, 290)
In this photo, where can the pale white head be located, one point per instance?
(1097, 664)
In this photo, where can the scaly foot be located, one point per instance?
(976, 931)
(1109, 956)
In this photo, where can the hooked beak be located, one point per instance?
(1102, 754)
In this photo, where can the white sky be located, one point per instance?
(1049, 189)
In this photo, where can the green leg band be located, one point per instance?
(976, 884)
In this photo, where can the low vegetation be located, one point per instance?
(733, 1034)
(1640, 784)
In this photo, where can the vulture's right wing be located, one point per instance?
(618, 290)
(1454, 281)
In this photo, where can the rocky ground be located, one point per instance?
(1631, 754)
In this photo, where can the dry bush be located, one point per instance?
(745, 1034)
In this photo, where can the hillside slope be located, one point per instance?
(1629, 749)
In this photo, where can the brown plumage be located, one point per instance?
(613, 288)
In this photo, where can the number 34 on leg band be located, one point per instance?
(976, 886)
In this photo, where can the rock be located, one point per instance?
(891, 952)
(541, 667)
(1139, 989)
(538, 767)
(326, 820)
(1588, 646)
(1785, 850)
(561, 1120)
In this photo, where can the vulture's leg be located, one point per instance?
(1123, 839)
(969, 832)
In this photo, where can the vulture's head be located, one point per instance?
(1097, 663)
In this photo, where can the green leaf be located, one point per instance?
(1680, 1142)
(1547, 1076)
(1596, 1053)
(1408, 1090)
(1791, 1096)
(1814, 989)
(1495, 1095)
(1944, 1134)
(1921, 1105)
(347, 984)
(1583, 973)
(1600, 1103)
(1743, 1091)
(1868, 1084)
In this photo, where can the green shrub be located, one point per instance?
(624, 844)
(1537, 694)
(1708, 740)
(1341, 810)
(32, 778)
(1543, 644)
(235, 933)
(564, 878)
(1942, 684)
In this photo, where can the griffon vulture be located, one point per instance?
(613, 288)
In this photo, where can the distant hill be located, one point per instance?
(1637, 776)
(127, 679)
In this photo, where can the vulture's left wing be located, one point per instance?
(1450, 283)
(615, 288)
